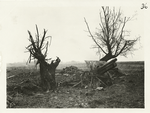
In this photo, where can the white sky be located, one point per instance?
(65, 23)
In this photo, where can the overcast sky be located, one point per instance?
(65, 23)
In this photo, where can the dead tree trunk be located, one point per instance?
(108, 66)
(38, 50)
(47, 72)
(105, 68)
(99, 73)
(107, 57)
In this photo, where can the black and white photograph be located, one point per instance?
(73, 54)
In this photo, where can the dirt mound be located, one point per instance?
(70, 70)
(70, 76)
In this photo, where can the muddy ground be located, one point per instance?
(127, 90)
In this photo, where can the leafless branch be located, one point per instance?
(36, 46)
(110, 38)
(93, 36)
(43, 38)
(37, 36)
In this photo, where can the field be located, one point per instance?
(127, 90)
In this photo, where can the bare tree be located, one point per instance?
(110, 37)
(38, 50)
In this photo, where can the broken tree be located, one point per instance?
(112, 39)
(98, 75)
(38, 50)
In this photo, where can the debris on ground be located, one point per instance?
(100, 74)
(10, 102)
(126, 91)
(99, 88)
(70, 70)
